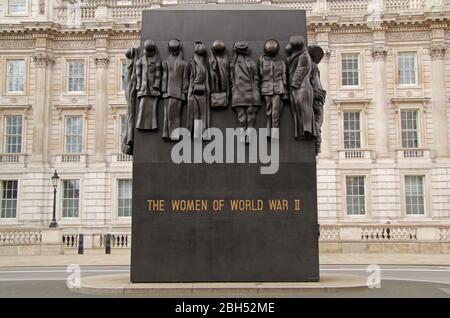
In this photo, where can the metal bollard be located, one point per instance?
(81, 244)
(108, 244)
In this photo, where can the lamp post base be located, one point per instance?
(53, 224)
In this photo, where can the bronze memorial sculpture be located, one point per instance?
(205, 83)
(300, 87)
(174, 86)
(245, 95)
(219, 67)
(273, 85)
(198, 107)
(148, 73)
(223, 204)
(130, 84)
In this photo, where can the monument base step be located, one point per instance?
(119, 284)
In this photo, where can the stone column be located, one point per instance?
(101, 60)
(440, 124)
(380, 102)
(41, 108)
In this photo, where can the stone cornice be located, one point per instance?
(67, 107)
(362, 103)
(439, 25)
(351, 30)
(23, 107)
(16, 36)
(316, 24)
(396, 102)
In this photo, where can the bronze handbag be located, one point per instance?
(219, 99)
(199, 89)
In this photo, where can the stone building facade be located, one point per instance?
(383, 174)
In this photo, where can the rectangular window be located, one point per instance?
(350, 69)
(414, 195)
(73, 134)
(8, 199)
(407, 68)
(123, 71)
(71, 198)
(75, 72)
(123, 128)
(13, 134)
(18, 6)
(352, 130)
(356, 204)
(124, 197)
(410, 128)
(15, 77)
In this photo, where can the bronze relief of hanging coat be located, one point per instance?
(198, 107)
(130, 84)
(174, 86)
(300, 87)
(148, 71)
(320, 94)
(219, 66)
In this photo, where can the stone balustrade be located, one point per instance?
(385, 238)
(30, 241)
(337, 238)
(96, 240)
(20, 237)
(95, 10)
(385, 232)
(13, 158)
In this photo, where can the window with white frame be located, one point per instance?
(70, 198)
(407, 68)
(352, 129)
(124, 197)
(123, 71)
(123, 128)
(409, 128)
(414, 195)
(355, 192)
(75, 75)
(15, 76)
(8, 198)
(73, 134)
(17, 6)
(12, 141)
(350, 69)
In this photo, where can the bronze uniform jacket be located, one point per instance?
(244, 82)
(175, 78)
(151, 77)
(273, 76)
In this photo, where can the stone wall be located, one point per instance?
(338, 26)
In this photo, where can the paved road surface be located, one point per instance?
(396, 281)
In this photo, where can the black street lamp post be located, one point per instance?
(55, 179)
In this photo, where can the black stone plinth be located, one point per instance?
(223, 246)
